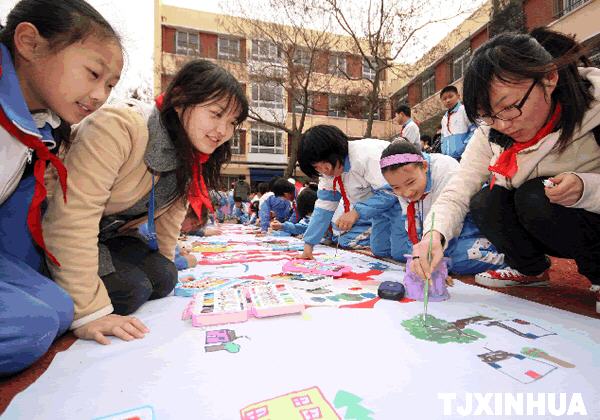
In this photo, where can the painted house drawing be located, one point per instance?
(307, 404)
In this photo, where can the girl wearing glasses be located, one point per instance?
(536, 101)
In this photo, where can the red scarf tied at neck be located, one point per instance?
(34, 214)
(506, 165)
(198, 194)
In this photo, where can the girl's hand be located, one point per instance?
(347, 220)
(276, 225)
(307, 254)
(420, 264)
(191, 260)
(126, 328)
(567, 191)
(211, 231)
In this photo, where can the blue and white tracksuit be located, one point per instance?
(239, 214)
(278, 205)
(456, 131)
(362, 179)
(33, 309)
(469, 253)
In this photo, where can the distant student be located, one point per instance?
(253, 213)
(305, 204)
(348, 173)
(239, 214)
(425, 143)
(241, 189)
(279, 203)
(59, 61)
(418, 179)
(457, 130)
(409, 130)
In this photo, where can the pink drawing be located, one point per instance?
(305, 404)
(316, 267)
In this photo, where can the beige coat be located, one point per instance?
(106, 175)
(582, 157)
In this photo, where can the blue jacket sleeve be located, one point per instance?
(265, 215)
(381, 201)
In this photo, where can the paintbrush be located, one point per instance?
(427, 280)
(337, 245)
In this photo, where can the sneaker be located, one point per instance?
(596, 289)
(504, 277)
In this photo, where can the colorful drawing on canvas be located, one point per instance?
(222, 340)
(541, 354)
(145, 412)
(305, 404)
(440, 331)
(516, 366)
(352, 403)
(316, 267)
(521, 328)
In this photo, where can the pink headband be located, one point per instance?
(400, 158)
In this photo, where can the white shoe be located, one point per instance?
(505, 277)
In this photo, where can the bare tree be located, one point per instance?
(288, 58)
(507, 16)
(382, 32)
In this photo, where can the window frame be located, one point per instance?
(187, 50)
(227, 54)
(258, 129)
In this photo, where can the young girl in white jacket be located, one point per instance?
(537, 112)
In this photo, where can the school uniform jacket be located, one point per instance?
(108, 174)
(456, 131)
(581, 156)
(410, 131)
(361, 178)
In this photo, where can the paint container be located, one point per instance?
(415, 285)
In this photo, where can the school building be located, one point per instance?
(261, 151)
(446, 62)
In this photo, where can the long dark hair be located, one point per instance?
(61, 23)
(511, 57)
(198, 82)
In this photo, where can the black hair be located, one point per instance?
(399, 147)
(254, 206)
(282, 186)
(511, 57)
(449, 88)
(426, 138)
(197, 82)
(61, 23)
(237, 199)
(305, 202)
(404, 108)
(272, 182)
(263, 188)
(321, 143)
(313, 186)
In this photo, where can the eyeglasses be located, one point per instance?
(507, 114)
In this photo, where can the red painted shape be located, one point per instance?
(367, 304)
(356, 288)
(367, 275)
(533, 374)
(252, 277)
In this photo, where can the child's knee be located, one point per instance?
(29, 338)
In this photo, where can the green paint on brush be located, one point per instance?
(439, 331)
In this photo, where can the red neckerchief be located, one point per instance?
(506, 165)
(198, 196)
(338, 180)
(412, 220)
(34, 214)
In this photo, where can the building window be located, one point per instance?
(256, 413)
(311, 413)
(229, 48)
(367, 71)
(428, 87)
(337, 106)
(562, 7)
(236, 146)
(298, 103)
(267, 95)
(301, 400)
(337, 64)
(266, 139)
(187, 43)
(403, 99)
(459, 64)
(264, 50)
(302, 57)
